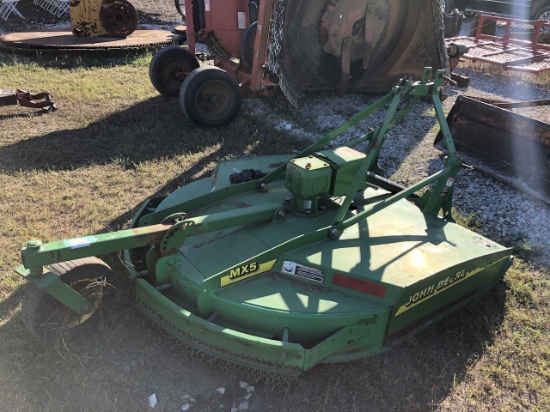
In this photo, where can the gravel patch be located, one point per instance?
(496, 209)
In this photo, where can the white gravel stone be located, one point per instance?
(152, 399)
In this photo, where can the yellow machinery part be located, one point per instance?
(103, 18)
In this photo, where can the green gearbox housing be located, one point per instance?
(326, 173)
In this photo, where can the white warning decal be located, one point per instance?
(241, 18)
(306, 272)
(78, 243)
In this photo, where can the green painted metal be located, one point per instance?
(346, 164)
(53, 285)
(313, 263)
(260, 352)
(34, 258)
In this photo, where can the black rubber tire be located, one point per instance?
(181, 11)
(169, 67)
(48, 319)
(447, 5)
(210, 97)
(247, 46)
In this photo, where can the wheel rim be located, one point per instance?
(118, 17)
(546, 17)
(213, 100)
(174, 73)
(59, 316)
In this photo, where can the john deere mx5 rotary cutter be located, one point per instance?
(280, 263)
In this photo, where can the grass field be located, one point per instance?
(114, 142)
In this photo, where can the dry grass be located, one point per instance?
(114, 142)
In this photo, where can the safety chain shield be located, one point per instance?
(206, 347)
(276, 35)
(291, 92)
(276, 62)
(215, 49)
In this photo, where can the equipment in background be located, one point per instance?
(20, 97)
(501, 140)
(513, 44)
(285, 48)
(103, 18)
(100, 27)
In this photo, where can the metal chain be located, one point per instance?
(438, 18)
(276, 62)
(276, 31)
(215, 48)
(281, 370)
(291, 92)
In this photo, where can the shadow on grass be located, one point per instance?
(153, 129)
(419, 373)
(128, 358)
(145, 131)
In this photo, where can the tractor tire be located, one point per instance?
(169, 67)
(180, 7)
(543, 14)
(48, 319)
(210, 97)
(447, 5)
(247, 46)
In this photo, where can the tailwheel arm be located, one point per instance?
(55, 287)
(66, 296)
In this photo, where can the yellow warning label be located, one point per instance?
(439, 287)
